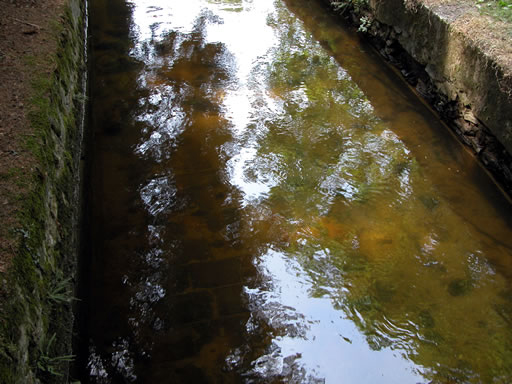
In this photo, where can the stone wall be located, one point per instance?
(37, 315)
(461, 82)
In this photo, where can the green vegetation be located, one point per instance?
(358, 7)
(47, 362)
(500, 9)
(37, 302)
(60, 290)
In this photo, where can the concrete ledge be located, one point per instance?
(459, 68)
(440, 49)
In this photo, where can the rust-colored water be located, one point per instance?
(270, 204)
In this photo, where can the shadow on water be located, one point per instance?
(279, 208)
(168, 266)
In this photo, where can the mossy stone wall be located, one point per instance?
(36, 320)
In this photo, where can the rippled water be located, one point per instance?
(270, 204)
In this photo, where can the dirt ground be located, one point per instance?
(25, 43)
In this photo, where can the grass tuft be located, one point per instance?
(499, 9)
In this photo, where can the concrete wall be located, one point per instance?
(450, 71)
(458, 68)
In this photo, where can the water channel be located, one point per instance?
(272, 204)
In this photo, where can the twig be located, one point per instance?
(30, 24)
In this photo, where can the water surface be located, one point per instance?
(271, 204)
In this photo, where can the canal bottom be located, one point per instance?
(279, 207)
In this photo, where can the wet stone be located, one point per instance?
(187, 308)
(215, 273)
(460, 287)
(234, 327)
(432, 336)
(429, 202)
(178, 281)
(426, 320)
(383, 291)
(230, 300)
(182, 342)
(178, 373)
(195, 250)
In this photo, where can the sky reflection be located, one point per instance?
(272, 205)
(323, 341)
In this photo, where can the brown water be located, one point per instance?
(271, 204)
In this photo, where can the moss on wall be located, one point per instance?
(37, 317)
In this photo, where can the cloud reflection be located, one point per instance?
(266, 216)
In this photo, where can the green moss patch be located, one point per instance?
(36, 314)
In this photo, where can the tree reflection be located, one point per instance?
(251, 229)
(169, 268)
(350, 202)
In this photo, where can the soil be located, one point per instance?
(25, 43)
